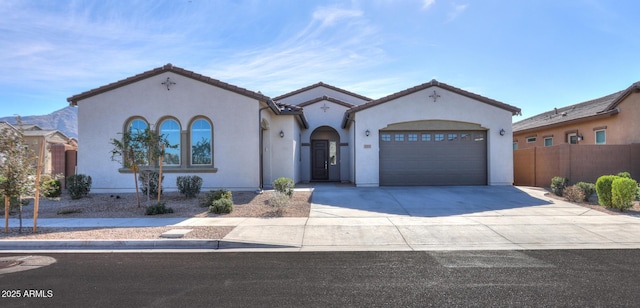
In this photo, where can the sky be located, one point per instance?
(535, 55)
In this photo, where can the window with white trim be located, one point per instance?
(601, 137)
(531, 139)
(548, 141)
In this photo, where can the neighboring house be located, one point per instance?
(613, 119)
(59, 149)
(431, 134)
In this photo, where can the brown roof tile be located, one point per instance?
(602, 106)
(167, 68)
(434, 83)
(321, 84)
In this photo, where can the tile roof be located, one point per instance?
(167, 68)
(321, 84)
(433, 83)
(326, 98)
(602, 106)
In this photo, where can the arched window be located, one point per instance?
(170, 129)
(201, 142)
(137, 125)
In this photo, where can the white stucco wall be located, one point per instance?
(319, 92)
(419, 106)
(235, 130)
(281, 153)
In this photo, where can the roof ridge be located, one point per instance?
(322, 84)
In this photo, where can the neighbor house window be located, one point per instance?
(601, 137)
(201, 142)
(426, 137)
(170, 130)
(572, 138)
(438, 137)
(531, 139)
(399, 137)
(515, 146)
(452, 137)
(548, 141)
(412, 137)
(385, 137)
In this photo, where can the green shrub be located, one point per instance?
(214, 195)
(603, 189)
(623, 192)
(78, 185)
(587, 188)
(51, 188)
(189, 186)
(625, 175)
(221, 206)
(574, 193)
(158, 209)
(558, 184)
(284, 185)
(152, 177)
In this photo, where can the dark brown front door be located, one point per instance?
(320, 160)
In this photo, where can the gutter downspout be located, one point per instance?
(261, 144)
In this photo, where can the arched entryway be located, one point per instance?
(325, 154)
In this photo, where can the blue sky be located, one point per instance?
(535, 55)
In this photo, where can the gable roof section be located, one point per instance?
(433, 83)
(321, 84)
(326, 98)
(73, 101)
(600, 107)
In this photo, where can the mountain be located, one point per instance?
(64, 120)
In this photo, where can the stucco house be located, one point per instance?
(581, 141)
(611, 119)
(234, 138)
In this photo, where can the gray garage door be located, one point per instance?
(433, 158)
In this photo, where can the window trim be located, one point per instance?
(180, 141)
(532, 139)
(545, 141)
(596, 136)
(190, 141)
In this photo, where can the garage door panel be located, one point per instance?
(461, 161)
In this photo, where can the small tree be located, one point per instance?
(137, 149)
(17, 168)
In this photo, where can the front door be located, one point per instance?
(320, 160)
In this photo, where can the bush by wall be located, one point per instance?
(189, 186)
(221, 206)
(213, 195)
(51, 188)
(153, 181)
(603, 189)
(625, 175)
(284, 185)
(558, 184)
(78, 185)
(623, 192)
(587, 188)
(574, 193)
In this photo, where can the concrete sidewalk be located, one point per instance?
(383, 219)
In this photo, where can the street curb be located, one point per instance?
(107, 244)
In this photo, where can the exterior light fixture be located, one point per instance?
(367, 133)
(502, 132)
(281, 134)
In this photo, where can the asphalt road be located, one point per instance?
(567, 278)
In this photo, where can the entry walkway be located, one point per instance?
(402, 218)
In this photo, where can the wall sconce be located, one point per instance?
(281, 134)
(579, 137)
(502, 132)
(367, 133)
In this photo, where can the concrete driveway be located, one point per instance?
(440, 218)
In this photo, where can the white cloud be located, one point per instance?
(426, 4)
(329, 16)
(456, 11)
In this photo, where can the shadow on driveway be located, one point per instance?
(426, 201)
